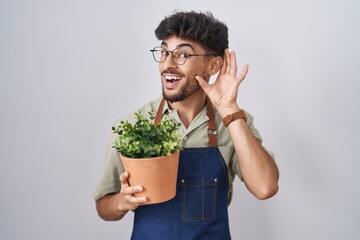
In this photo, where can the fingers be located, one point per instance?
(203, 84)
(134, 202)
(233, 65)
(224, 65)
(131, 190)
(229, 64)
(127, 192)
(244, 72)
(124, 179)
(227, 61)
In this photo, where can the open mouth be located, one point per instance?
(171, 78)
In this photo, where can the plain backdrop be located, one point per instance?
(68, 69)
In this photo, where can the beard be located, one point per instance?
(184, 92)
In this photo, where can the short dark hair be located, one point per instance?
(201, 28)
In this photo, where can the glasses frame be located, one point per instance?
(156, 49)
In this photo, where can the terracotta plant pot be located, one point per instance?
(157, 175)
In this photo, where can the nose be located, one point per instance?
(169, 62)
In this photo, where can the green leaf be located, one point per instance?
(143, 139)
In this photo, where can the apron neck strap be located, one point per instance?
(211, 125)
(159, 112)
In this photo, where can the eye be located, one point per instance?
(164, 53)
(181, 54)
(184, 55)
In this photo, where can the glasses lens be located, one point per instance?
(180, 56)
(159, 54)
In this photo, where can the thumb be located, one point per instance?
(203, 84)
(124, 179)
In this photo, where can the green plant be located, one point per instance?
(144, 139)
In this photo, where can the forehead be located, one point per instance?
(173, 42)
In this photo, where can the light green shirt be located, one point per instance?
(196, 135)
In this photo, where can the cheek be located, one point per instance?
(198, 70)
(191, 70)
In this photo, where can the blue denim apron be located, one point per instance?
(199, 209)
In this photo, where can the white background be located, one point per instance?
(68, 69)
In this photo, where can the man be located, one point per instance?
(194, 46)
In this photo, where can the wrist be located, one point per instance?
(228, 110)
(240, 114)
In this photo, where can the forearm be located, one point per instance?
(109, 209)
(258, 169)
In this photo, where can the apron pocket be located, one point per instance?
(198, 199)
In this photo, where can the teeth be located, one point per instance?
(172, 78)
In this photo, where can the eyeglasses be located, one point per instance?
(178, 55)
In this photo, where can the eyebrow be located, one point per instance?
(164, 44)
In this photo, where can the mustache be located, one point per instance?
(171, 71)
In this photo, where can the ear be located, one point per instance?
(214, 65)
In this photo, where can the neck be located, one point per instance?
(189, 108)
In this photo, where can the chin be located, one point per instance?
(173, 97)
